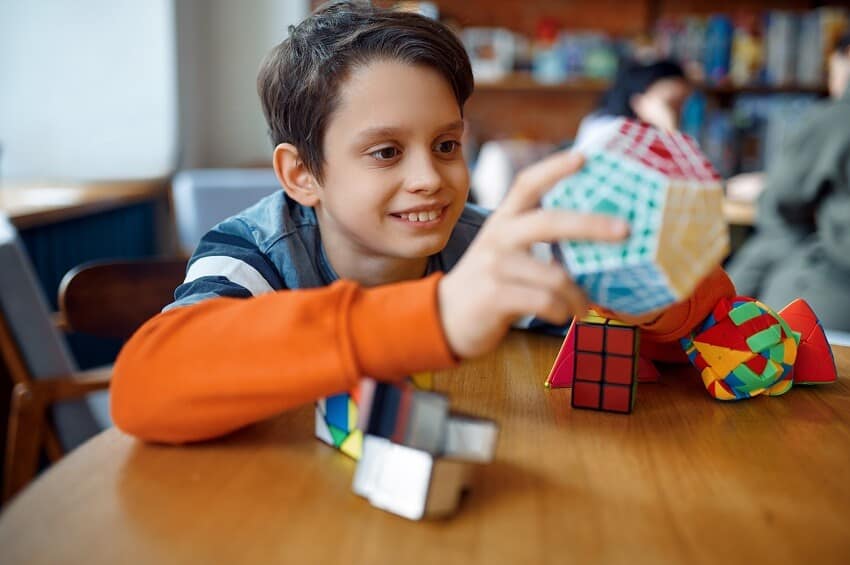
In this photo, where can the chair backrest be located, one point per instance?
(204, 197)
(114, 298)
(37, 342)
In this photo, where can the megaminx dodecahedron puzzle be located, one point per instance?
(672, 198)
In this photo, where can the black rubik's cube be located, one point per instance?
(606, 353)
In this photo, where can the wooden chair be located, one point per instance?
(31, 425)
(114, 298)
(48, 391)
(53, 408)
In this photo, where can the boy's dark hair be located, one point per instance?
(299, 80)
(635, 78)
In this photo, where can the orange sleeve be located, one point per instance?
(200, 371)
(660, 336)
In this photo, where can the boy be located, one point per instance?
(365, 111)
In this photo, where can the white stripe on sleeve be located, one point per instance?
(234, 270)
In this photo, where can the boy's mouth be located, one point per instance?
(423, 216)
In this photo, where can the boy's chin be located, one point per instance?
(421, 250)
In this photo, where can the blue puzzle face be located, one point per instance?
(672, 199)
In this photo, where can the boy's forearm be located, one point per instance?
(678, 320)
(660, 333)
(201, 371)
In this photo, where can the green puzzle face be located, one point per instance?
(610, 185)
(677, 229)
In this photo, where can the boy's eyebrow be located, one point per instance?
(389, 131)
(378, 132)
(457, 124)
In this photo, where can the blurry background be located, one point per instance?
(126, 89)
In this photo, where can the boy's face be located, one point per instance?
(394, 178)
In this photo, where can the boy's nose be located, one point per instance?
(423, 175)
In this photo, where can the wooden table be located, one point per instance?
(684, 479)
(36, 203)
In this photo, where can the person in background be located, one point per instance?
(802, 243)
(653, 93)
(746, 187)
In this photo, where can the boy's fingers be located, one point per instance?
(533, 182)
(521, 300)
(520, 269)
(558, 225)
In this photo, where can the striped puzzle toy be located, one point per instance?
(417, 457)
(414, 456)
(672, 198)
(336, 417)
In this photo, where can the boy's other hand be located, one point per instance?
(745, 187)
(498, 280)
(656, 112)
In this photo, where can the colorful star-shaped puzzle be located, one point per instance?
(743, 349)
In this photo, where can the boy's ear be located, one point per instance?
(293, 175)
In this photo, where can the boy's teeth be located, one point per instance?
(422, 216)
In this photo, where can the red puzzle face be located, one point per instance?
(590, 337)
(619, 369)
(605, 367)
(663, 154)
(588, 366)
(619, 341)
(617, 399)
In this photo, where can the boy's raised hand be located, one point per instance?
(498, 280)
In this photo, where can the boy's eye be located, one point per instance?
(385, 153)
(447, 147)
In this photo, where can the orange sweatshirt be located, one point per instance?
(201, 371)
